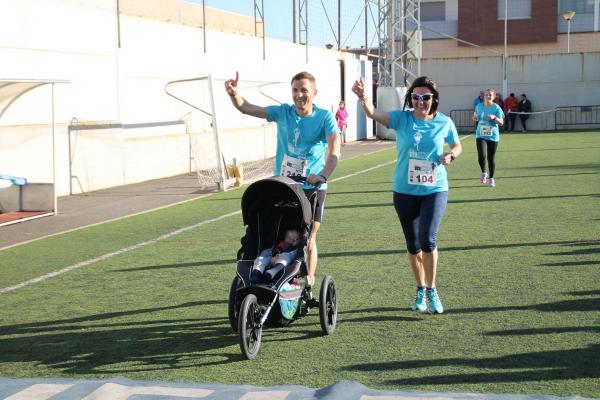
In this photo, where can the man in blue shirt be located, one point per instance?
(308, 143)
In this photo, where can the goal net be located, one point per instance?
(226, 147)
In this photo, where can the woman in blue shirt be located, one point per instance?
(489, 117)
(420, 180)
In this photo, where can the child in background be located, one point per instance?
(342, 120)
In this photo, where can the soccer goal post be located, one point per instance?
(226, 147)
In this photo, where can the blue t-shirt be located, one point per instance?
(301, 141)
(487, 129)
(420, 144)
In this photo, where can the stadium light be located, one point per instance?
(568, 16)
(505, 56)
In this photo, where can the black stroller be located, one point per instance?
(269, 208)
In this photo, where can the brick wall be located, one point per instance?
(478, 23)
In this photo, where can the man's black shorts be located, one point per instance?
(320, 202)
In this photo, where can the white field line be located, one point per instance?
(107, 220)
(151, 241)
(114, 253)
(142, 212)
(163, 237)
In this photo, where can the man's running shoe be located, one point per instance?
(492, 182)
(434, 304)
(419, 303)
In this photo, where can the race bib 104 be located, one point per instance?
(293, 166)
(421, 172)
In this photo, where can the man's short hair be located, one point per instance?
(304, 75)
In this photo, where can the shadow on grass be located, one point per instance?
(580, 305)
(359, 192)
(545, 331)
(71, 346)
(369, 253)
(552, 149)
(595, 166)
(488, 200)
(571, 263)
(523, 367)
(504, 199)
(231, 262)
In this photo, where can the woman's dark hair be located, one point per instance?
(423, 81)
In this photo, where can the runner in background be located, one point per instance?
(489, 117)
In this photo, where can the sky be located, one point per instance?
(321, 30)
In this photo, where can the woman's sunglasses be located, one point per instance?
(424, 97)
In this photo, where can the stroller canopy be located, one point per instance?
(276, 193)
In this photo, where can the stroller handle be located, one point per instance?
(303, 179)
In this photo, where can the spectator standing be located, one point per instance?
(478, 99)
(524, 107)
(498, 100)
(510, 107)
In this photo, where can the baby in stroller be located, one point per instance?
(274, 260)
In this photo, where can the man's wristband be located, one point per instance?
(452, 156)
(324, 177)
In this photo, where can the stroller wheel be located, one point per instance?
(249, 327)
(234, 305)
(328, 305)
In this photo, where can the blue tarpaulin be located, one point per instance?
(14, 179)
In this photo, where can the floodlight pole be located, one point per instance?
(568, 36)
(505, 58)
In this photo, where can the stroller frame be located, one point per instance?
(252, 305)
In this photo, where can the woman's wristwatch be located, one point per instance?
(452, 156)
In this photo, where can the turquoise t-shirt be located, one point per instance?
(420, 144)
(487, 129)
(301, 141)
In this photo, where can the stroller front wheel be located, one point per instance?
(249, 327)
(328, 305)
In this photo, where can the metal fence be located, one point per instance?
(463, 120)
(569, 117)
(575, 117)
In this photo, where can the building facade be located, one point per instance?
(533, 27)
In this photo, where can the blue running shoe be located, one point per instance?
(434, 304)
(419, 301)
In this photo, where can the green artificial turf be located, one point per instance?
(519, 276)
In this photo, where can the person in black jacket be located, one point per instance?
(524, 107)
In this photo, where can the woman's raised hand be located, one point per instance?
(359, 88)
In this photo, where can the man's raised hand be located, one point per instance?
(231, 85)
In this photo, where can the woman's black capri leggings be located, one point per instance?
(486, 149)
